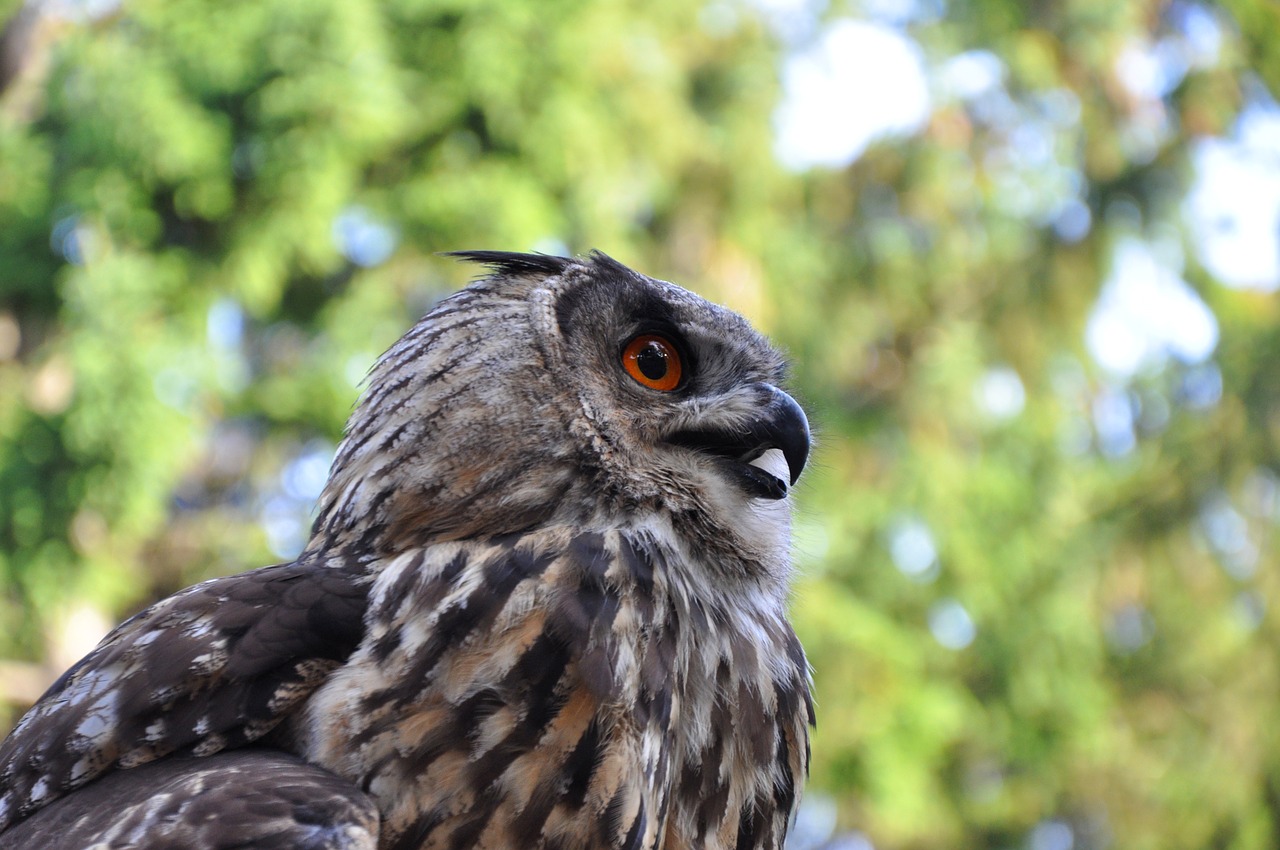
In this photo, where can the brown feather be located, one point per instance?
(538, 610)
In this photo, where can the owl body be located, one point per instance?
(543, 606)
(584, 695)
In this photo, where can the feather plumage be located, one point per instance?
(543, 606)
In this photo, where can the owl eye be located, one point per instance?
(653, 361)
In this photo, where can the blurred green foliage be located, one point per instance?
(1030, 626)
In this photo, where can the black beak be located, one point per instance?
(781, 424)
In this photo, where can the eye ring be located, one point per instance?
(653, 361)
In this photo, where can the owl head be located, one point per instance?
(574, 392)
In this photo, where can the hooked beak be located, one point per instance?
(766, 455)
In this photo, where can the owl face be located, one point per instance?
(571, 391)
(683, 392)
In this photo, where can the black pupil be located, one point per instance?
(652, 361)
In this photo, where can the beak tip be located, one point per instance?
(790, 427)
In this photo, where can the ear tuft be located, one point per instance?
(513, 263)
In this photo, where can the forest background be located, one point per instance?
(1024, 256)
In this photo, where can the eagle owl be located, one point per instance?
(542, 606)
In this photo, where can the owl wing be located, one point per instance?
(211, 668)
(265, 799)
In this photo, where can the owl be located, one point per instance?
(542, 606)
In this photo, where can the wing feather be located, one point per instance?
(213, 667)
(265, 799)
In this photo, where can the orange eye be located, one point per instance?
(653, 362)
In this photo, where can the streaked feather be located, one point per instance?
(525, 617)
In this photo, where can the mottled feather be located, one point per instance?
(215, 666)
(543, 606)
(264, 799)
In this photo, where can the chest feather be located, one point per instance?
(564, 691)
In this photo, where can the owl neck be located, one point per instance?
(372, 521)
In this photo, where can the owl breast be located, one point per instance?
(565, 689)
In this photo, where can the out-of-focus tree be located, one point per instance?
(1024, 256)
(1041, 566)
